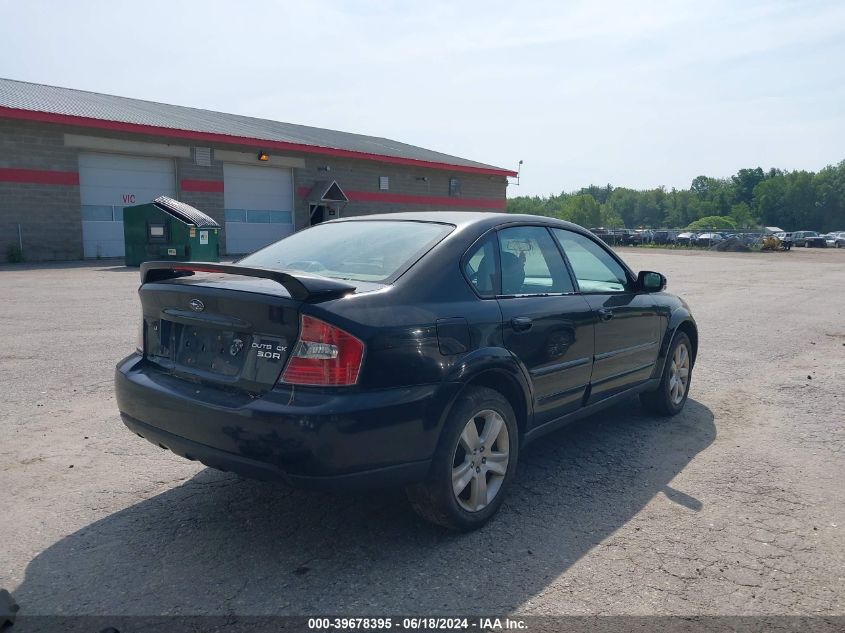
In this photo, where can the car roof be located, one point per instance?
(481, 219)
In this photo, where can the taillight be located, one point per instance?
(324, 355)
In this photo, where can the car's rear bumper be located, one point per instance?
(256, 469)
(305, 436)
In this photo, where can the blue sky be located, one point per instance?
(636, 94)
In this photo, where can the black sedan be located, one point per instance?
(412, 349)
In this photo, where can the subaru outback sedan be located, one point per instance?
(421, 350)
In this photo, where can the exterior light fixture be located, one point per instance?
(262, 156)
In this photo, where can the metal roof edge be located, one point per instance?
(139, 128)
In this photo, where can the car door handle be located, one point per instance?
(605, 314)
(521, 324)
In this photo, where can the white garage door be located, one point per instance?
(259, 206)
(109, 182)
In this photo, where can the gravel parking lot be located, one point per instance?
(736, 506)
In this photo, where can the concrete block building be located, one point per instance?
(70, 161)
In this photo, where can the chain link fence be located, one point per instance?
(704, 238)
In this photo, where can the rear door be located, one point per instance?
(627, 323)
(546, 324)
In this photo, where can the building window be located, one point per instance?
(101, 213)
(454, 187)
(235, 215)
(258, 216)
(383, 183)
(202, 156)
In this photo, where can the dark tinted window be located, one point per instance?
(595, 269)
(531, 263)
(366, 250)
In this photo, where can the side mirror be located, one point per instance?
(649, 281)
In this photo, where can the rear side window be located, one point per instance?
(363, 250)
(595, 269)
(531, 263)
(480, 267)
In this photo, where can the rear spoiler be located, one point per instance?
(301, 286)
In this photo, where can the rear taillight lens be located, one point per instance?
(324, 355)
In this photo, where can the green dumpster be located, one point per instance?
(166, 229)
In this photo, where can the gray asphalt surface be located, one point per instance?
(734, 507)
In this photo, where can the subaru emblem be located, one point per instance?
(197, 305)
(236, 346)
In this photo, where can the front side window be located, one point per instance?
(364, 250)
(595, 269)
(531, 263)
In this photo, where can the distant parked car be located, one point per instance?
(708, 239)
(641, 236)
(815, 241)
(840, 239)
(686, 238)
(799, 238)
(648, 236)
(624, 237)
(786, 238)
(663, 237)
(602, 233)
(830, 239)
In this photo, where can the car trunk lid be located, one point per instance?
(233, 326)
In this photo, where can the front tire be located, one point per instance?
(670, 397)
(474, 463)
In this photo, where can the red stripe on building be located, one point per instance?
(445, 201)
(137, 128)
(39, 176)
(400, 198)
(207, 186)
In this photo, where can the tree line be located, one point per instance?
(792, 200)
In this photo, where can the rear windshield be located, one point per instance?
(365, 250)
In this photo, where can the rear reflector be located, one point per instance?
(325, 355)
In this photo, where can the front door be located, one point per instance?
(318, 214)
(546, 325)
(627, 322)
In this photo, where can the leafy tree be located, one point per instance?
(741, 215)
(792, 200)
(715, 222)
(583, 210)
(744, 182)
(601, 194)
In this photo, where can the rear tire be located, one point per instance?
(474, 463)
(671, 395)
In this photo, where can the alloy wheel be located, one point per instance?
(480, 460)
(679, 374)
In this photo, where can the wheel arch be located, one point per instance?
(508, 386)
(689, 328)
(679, 321)
(498, 370)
